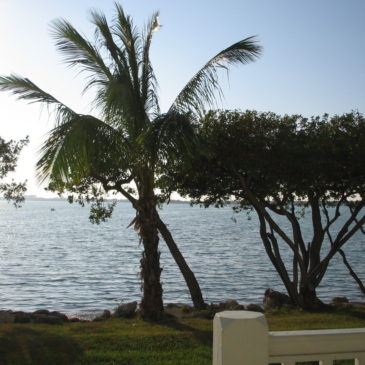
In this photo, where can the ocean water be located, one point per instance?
(52, 257)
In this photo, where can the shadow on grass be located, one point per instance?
(359, 314)
(350, 311)
(26, 346)
(201, 336)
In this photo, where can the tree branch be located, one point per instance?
(116, 186)
(337, 244)
(274, 260)
(352, 272)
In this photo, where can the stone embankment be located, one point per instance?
(272, 300)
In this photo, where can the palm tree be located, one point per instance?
(131, 138)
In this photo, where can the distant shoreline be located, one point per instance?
(37, 198)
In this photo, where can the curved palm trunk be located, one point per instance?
(191, 282)
(151, 304)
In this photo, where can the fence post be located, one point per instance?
(240, 337)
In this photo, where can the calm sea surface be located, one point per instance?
(52, 257)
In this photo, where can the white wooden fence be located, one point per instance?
(242, 337)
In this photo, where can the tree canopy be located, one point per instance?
(9, 154)
(283, 167)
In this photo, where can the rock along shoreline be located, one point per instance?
(272, 300)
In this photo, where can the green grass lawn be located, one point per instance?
(116, 341)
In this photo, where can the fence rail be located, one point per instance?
(242, 337)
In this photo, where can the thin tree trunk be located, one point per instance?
(192, 283)
(151, 304)
(352, 272)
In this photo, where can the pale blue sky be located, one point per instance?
(313, 60)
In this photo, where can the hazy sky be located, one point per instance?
(313, 60)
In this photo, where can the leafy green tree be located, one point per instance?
(131, 140)
(9, 153)
(282, 168)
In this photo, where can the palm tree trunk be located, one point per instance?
(192, 283)
(151, 304)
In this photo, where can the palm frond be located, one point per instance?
(202, 88)
(114, 96)
(76, 148)
(25, 89)
(169, 134)
(129, 36)
(148, 80)
(117, 54)
(117, 101)
(78, 51)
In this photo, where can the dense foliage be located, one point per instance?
(284, 167)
